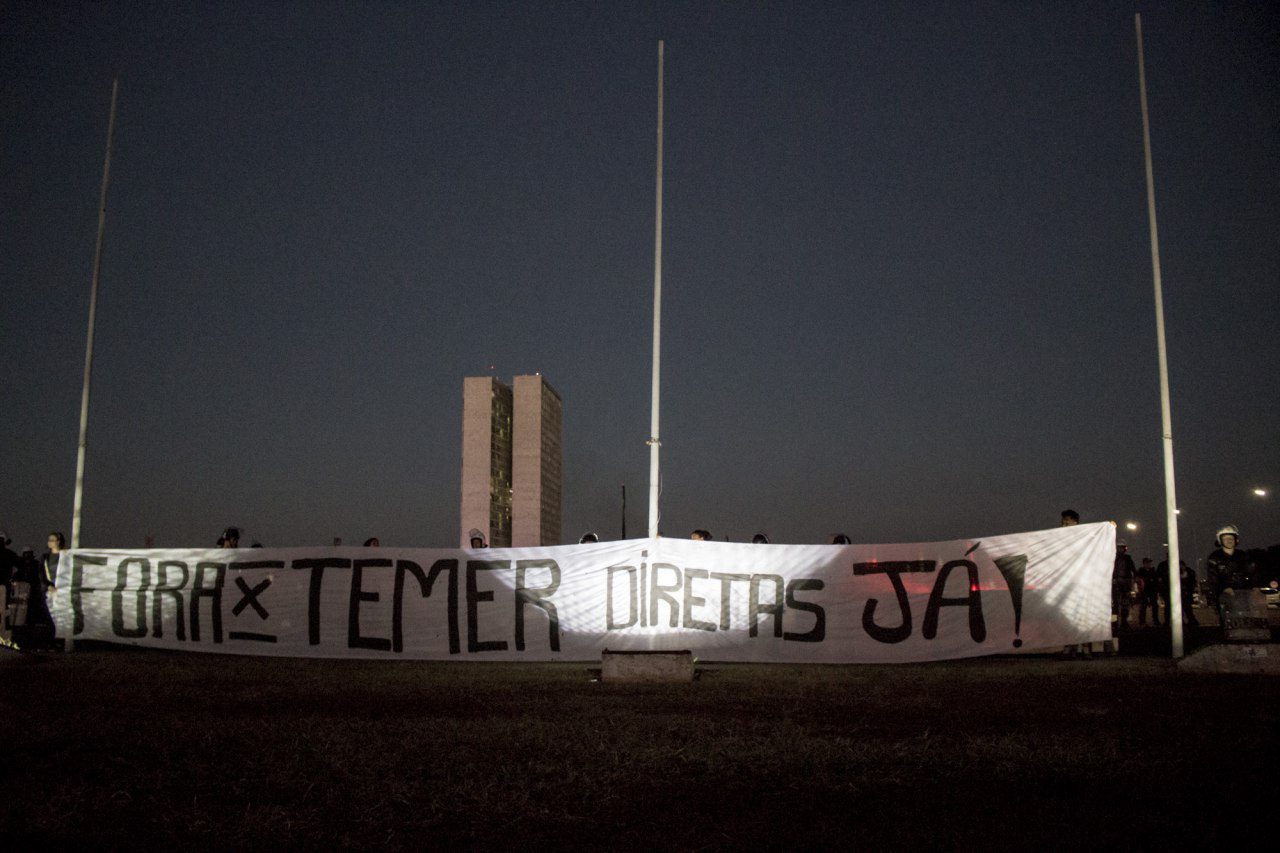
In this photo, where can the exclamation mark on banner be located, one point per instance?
(1014, 569)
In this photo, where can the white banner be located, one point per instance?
(723, 601)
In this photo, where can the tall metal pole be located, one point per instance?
(1166, 420)
(654, 442)
(624, 510)
(93, 309)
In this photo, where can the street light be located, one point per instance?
(1262, 493)
(1131, 525)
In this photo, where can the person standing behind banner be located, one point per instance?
(1122, 574)
(1187, 583)
(477, 538)
(50, 560)
(1148, 593)
(1162, 593)
(1070, 518)
(32, 628)
(8, 562)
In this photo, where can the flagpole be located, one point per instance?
(1166, 420)
(654, 443)
(93, 309)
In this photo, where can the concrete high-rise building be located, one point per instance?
(535, 464)
(510, 461)
(486, 460)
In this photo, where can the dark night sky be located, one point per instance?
(907, 281)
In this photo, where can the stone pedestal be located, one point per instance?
(630, 667)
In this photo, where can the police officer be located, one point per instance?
(1228, 568)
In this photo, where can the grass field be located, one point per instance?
(121, 748)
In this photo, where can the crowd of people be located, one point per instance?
(701, 535)
(1148, 587)
(476, 538)
(1228, 573)
(24, 584)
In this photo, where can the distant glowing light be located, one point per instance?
(1262, 493)
(1131, 525)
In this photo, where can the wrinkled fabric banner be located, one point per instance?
(723, 601)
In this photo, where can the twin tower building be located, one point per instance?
(510, 462)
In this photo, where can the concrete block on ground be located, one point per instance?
(1234, 659)
(630, 667)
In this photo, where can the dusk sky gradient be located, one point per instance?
(907, 277)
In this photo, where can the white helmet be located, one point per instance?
(1227, 530)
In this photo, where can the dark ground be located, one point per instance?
(114, 747)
